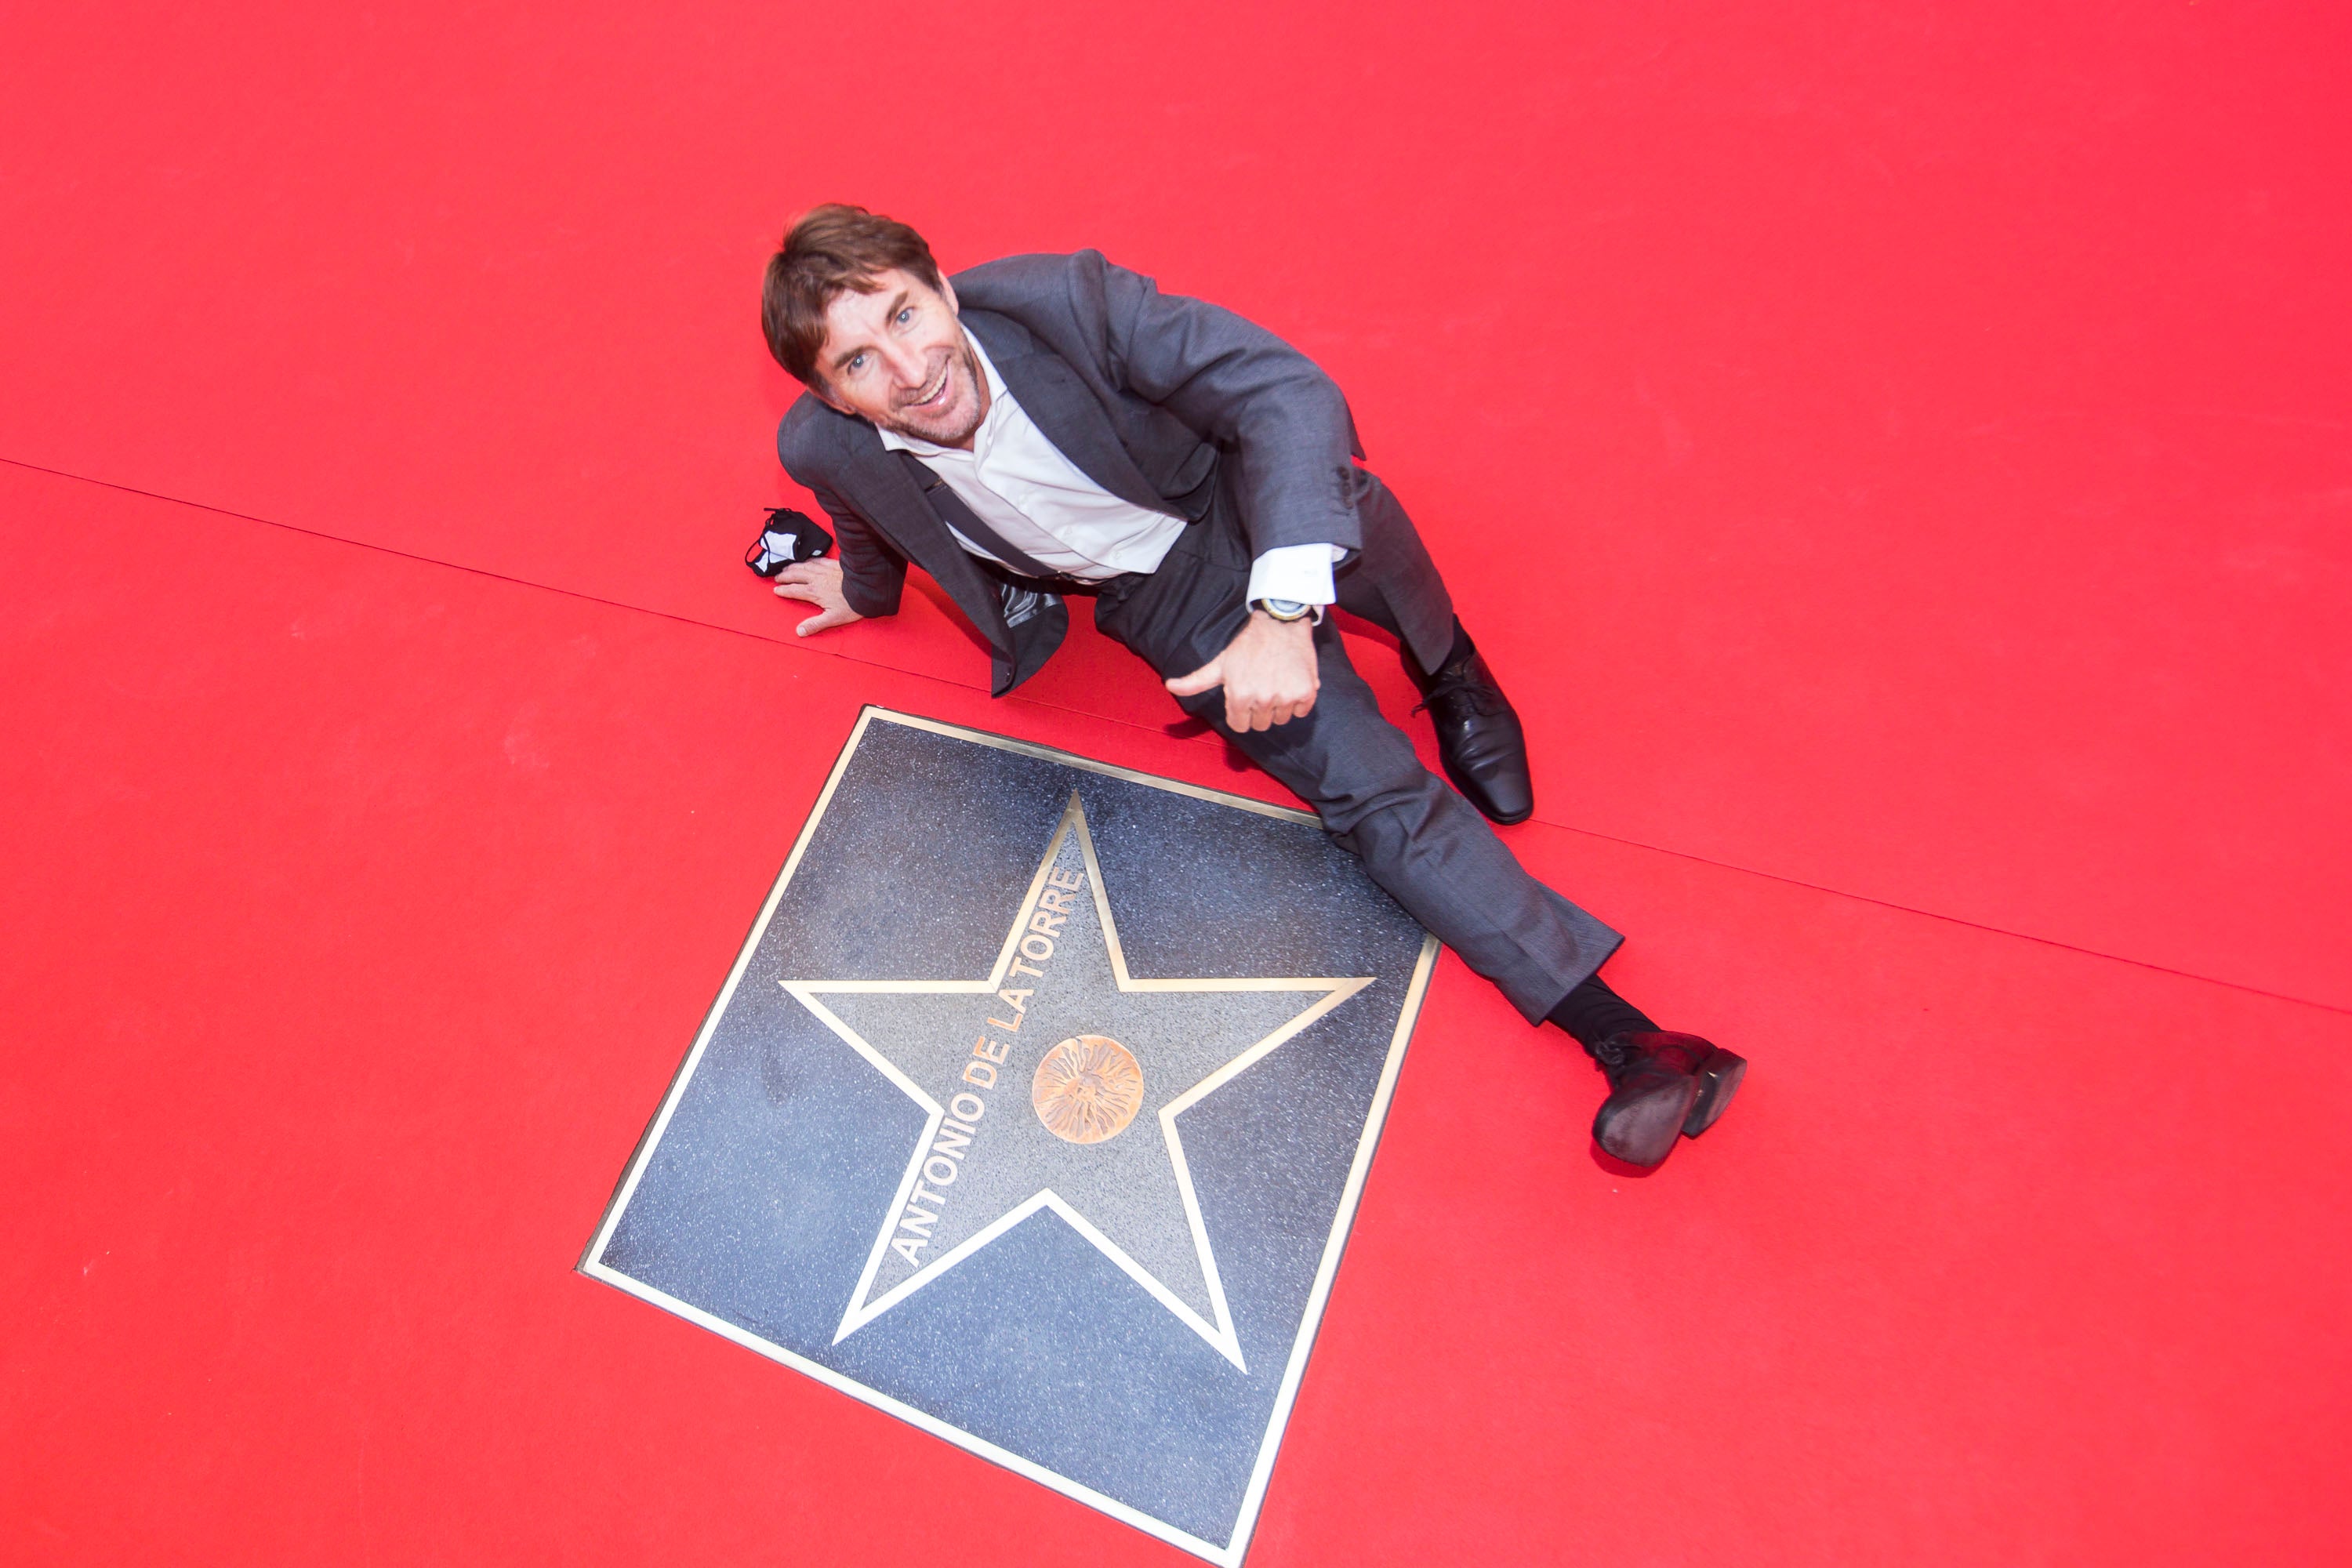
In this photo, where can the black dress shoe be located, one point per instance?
(1660, 1086)
(1479, 739)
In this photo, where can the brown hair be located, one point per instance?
(829, 249)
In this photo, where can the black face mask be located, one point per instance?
(790, 536)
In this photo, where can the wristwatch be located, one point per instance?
(1285, 609)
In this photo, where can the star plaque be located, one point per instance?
(1034, 1111)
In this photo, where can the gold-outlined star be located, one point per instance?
(1217, 1328)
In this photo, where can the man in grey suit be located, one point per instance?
(1048, 425)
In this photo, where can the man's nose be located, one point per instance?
(909, 366)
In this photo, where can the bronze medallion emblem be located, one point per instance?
(1087, 1088)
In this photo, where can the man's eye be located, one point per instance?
(857, 363)
(906, 315)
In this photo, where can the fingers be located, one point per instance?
(1241, 714)
(1266, 711)
(1209, 675)
(824, 621)
(1261, 691)
(825, 594)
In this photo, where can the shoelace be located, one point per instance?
(1457, 682)
(1612, 1053)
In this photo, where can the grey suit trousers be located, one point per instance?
(1419, 841)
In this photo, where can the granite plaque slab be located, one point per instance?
(1035, 1112)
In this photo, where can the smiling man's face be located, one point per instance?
(897, 356)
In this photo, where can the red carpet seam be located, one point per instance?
(1129, 723)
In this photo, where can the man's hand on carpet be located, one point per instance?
(817, 582)
(1267, 670)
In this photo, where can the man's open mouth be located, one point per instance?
(936, 393)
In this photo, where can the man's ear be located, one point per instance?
(947, 291)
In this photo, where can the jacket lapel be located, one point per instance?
(1063, 407)
(888, 490)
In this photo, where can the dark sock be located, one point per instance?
(1463, 649)
(1592, 1013)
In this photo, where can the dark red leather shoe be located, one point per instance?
(1662, 1087)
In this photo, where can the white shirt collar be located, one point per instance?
(997, 398)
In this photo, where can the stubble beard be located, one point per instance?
(961, 430)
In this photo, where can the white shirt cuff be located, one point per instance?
(1297, 571)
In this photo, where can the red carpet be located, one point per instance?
(1898, 459)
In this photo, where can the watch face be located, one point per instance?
(1284, 609)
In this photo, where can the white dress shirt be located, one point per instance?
(1020, 484)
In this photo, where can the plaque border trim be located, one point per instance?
(1231, 1553)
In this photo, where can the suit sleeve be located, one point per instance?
(873, 572)
(1239, 385)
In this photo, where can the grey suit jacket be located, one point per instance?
(1154, 396)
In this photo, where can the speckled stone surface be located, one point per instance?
(782, 1169)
